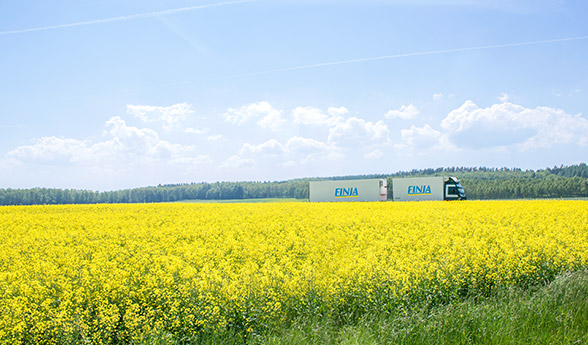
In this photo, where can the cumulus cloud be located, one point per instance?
(170, 116)
(336, 112)
(509, 124)
(137, 144)
(272, 120)
(268, 117)
(306, 145)
(424, 139)
(405, 112)
(356, 131)
(215, 137)
(315, 117)
(237, 161)
(343, 134)
(122, 144)
(298, 150)
(197, 131)
(312, 149)
(271, 147)
(52, 148)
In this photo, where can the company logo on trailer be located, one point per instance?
(350, 192)
(419, 190)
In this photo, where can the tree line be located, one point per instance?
(479, 183)
(161, 193)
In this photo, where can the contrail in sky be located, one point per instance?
(128, 17)
(430, 52)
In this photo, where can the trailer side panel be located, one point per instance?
(418, 189)
(345, 190)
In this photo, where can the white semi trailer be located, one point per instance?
(403, 189)
(348, 190)
(427, 188)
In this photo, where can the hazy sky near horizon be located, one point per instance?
(112, 94)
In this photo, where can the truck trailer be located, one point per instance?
(403, 189)
(427, 188)
(348, 190)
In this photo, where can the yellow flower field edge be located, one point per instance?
(120, 273)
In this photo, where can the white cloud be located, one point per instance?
(197, 131)
(424, 139)
(503, 97)
(439, 96)
(271, 147)
(137, 144)
(305, 145)
(268, 116)
(298, 150)
(405, 112)
(337, 112)
(124, 145)
(272, 120)
(355, 131)
(509, 124)
(216, 137)
(315, 117)
(52, 148)
(375, 154)
(236, 161)
(170, 116)
(310, 150)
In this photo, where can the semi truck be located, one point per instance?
(403, 189)
(427, 188)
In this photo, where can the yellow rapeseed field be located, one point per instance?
(118, 273)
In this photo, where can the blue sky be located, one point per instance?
(111, 94)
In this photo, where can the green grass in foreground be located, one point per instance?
(553, 314)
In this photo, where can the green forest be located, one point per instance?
(479, 183)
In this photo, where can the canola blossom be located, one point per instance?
(119, 273)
